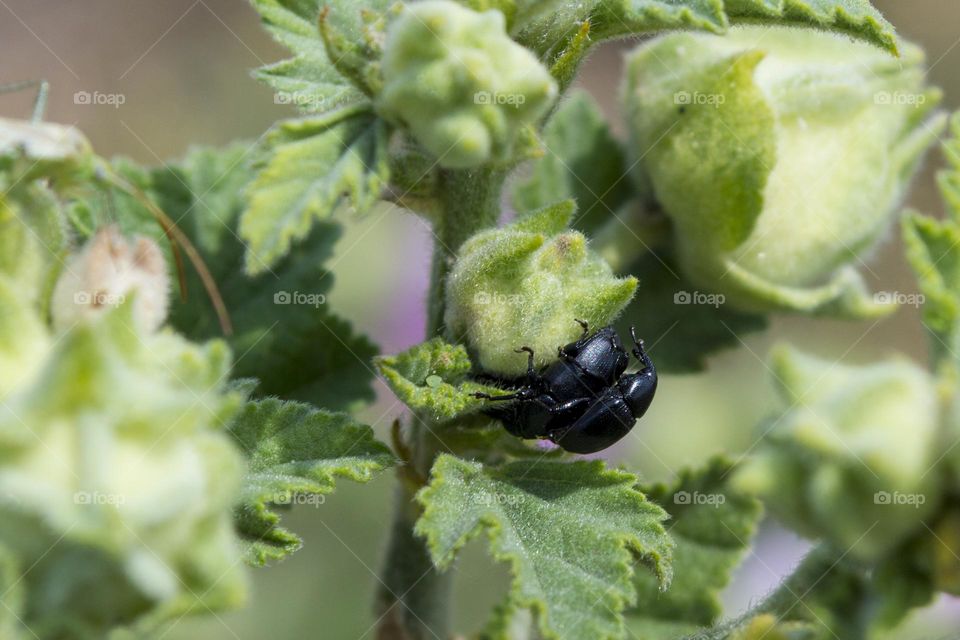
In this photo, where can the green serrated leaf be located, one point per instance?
(432, 377)
(933, 250)
(583, 161)
(309, 80)
(570, 532)
(712, 526)
(284, 331)
(930, 248)
(553, 33)
(856, 17)
(312, 166)
(688, 325)
(296, 452)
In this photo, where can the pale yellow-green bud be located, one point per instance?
(525, 285)
(779, 154)
(457, 81)
(850, 457)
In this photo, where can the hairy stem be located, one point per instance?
(414, 597)
(470, 201)
(825, 581)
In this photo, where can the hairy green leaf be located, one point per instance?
(295, 454)
(859, 18)
(554, 34)
(284, 332)
(569, 531)
(688, 325)
(583, 162)
(933, 250)
(432, 377)
(712, 526)
(312, 166)
(309, 80)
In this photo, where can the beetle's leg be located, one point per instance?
(585, 325)
(531, 371)
(570, 410)
(519, 394)
(639, 352)
(564, 355)
(479, 395)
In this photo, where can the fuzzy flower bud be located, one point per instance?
(849, 459)
(460, 84)
(117, 483)
(524, 285)
(107, 271)
(779, 154)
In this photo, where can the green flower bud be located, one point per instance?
(524, 285)
(457, 81)
(117, 481)
(23, 338)
(849, 459)
(31, 236)
(779, 154)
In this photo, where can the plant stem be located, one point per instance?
(414, 596)
(470, 201)
(414, 599)
(825, 581)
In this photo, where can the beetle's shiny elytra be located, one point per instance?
(584, 402)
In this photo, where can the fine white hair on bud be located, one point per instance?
(781, 157)
(109, 271)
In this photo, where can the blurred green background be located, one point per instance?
(182, 67)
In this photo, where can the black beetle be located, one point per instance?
(583, 402)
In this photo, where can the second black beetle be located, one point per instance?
(584, 401)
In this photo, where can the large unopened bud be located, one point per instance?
(850, 458)
(779, 154)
